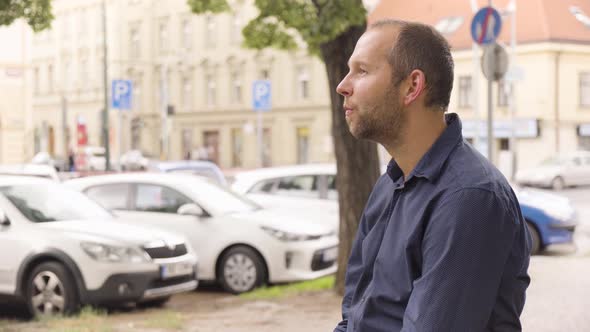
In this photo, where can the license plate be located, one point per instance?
(330, 254)
(175, 270)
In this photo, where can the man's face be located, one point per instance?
(372, 105)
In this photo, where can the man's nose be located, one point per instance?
(344, 88)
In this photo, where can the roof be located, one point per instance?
(244, 180)
(537, 20)
(161, 178)
(9, 180)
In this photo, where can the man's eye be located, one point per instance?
(362, 71)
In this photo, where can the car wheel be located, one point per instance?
(51, 290)
(536, 239)
(558, 183)
(159, 302)
(241, 270)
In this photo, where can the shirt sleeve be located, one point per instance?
(465, 250)
(354, 271)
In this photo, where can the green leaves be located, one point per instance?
(281, 23)
(37, 13)
(204, 6)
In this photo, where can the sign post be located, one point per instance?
(485, 28)
(261, 102)
(122, 92)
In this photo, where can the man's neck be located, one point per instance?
(420, 133)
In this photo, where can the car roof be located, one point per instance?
(11, 180)
(36, 170)
(246, 179)
(171, 179)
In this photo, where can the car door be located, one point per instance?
(14, 247)
(575, 170)
(157, 206)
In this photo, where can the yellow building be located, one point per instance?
(191, 66)
(15, 93)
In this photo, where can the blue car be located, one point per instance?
(551, 218)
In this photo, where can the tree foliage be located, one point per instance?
(37, 13)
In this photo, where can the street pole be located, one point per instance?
(491, 106)
(476, 70)
(260, 142)
(512, 99)
(64, 124)
(105, 111)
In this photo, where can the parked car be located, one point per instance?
(91, 158)
(37, 170)
(558, 172)
(135, 160)
(60, 250)
(240, 244)
(44, 158)
(202, 168)
(311, 188)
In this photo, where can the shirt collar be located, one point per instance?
(432, 162)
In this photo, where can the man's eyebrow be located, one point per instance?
(357, 62)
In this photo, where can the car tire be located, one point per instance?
(155, 303)
(241, 270)
(536, 239)
(51, 290)
(558, 184)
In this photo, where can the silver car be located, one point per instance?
(558, 172)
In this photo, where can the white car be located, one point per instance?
(134, 160)
(240, 244)
(308, 191)
(60, 250)
(558, 172)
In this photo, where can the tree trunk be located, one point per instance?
(357, 161)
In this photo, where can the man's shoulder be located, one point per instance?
(467, 169)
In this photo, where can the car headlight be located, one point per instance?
(106, 253)
(288, 236)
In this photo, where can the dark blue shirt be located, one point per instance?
(443, 249)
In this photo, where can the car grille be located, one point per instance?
(166, 252)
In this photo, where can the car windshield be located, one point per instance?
(554, 161)
(222, 201)
(52, 202)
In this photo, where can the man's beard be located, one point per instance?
(381, 122)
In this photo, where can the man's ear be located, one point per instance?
(415, 84)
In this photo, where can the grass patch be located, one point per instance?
(88, 320)
(165, 320)
(265, 293)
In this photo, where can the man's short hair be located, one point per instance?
(420, 46)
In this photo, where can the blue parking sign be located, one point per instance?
(261, 93)
(121, 93)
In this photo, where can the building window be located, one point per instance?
(187, 33)
(302, 145)
(210, 31)
(236, 29)
(36, 80)
(136, 98)
(83, 72)
(210, 92)
(584, 143)
(266, 147)
(585, 89)
(265, 74)
(163, 36)
(236, 142)
(187, 97)
(236, 87)
(503, 93)
(134, 42)
(465, 92)
(50, 81)
(187, 144)
(504, 144)
(302, 83)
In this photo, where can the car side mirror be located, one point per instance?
(191, 209)
(4, 221)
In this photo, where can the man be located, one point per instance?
(441, 245)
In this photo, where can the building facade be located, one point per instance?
(16, 91)
(192, 85)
